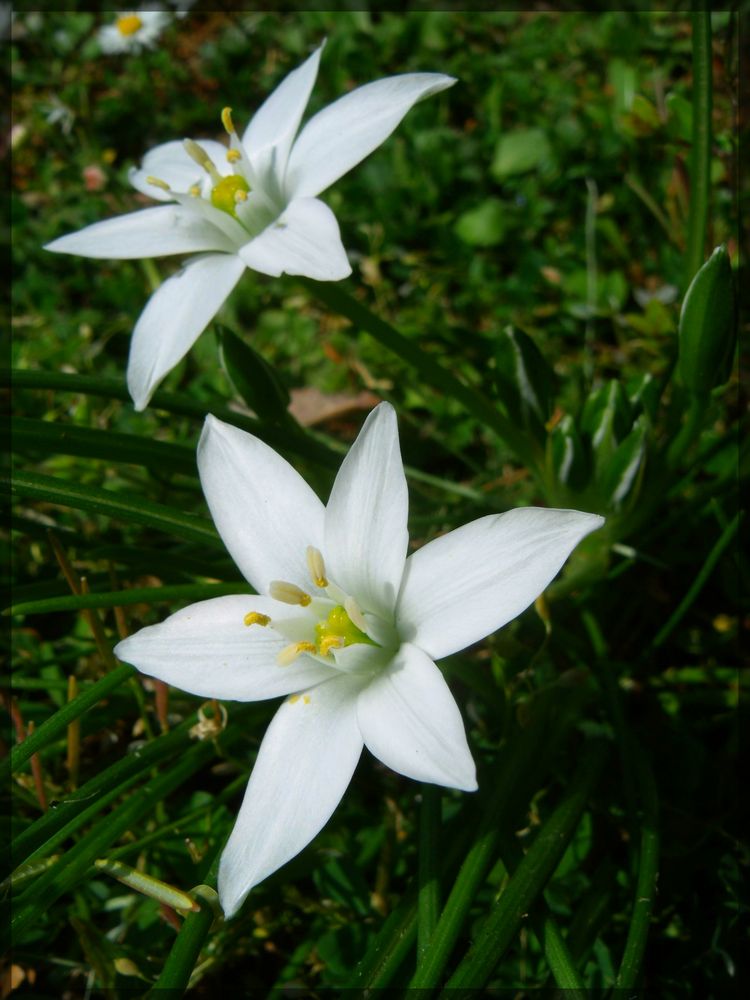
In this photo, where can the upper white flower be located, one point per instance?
(133, 30)
(253, 205)
(345, 624)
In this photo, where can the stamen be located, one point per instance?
(329, 642)
(201, 157)
(233, 155)
(256, 618)
(293, 699)
(316, 566)
(290, 653)
(306, 699)
(353, 610)
(157, 182)
(194, 190)
(239, 196)
(288, 593)
(226, 120)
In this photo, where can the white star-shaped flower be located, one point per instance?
(254, 204)
(346, 626)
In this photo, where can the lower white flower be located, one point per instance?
(345, 625)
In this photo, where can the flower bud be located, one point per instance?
(707, 326)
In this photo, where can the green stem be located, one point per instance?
(182, 959)
(429, 883)
(433, 373)
(529, 879)
(688, 433)
(700, 154)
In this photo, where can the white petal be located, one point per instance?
(347, 131)
(466, 584)
(170, 163)
(410, 721)
(275, 123)
(305, 762)
(175, 316)
(304, 240)
(151, 232)
(207, 649)
(264, 511)
(366, 533)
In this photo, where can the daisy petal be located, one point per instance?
(276, 121)
(304, 240)
(264, 511)
(208, 650)
(464, 585)
(366, 533)
(170, 163)
(305, 762)
(345, 132)
(410, 721)
(174, 317)
(150, 232)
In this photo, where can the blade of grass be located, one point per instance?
(429, 881)
(57, 724)
(182, 959)
(112, 504)
(648, 870)
(135, 595)
(529, 879)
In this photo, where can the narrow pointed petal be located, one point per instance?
(344, 133)
(170, 163)
(410, 721)
(151, 232)
(275, 123)
(305, 763)
(366, 533)
(264, 511)
(208, 650)
(468, 583)
(304, 240)
(175, 316)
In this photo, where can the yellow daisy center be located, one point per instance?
(129, 24)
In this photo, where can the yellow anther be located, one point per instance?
(306, 699)
(239, 196)
(256, 618)
(353, 610)
(194, 190)
(288, 593)
(226, 120)
(294, 699)
(233, 155)
(157, 182)
(128, 24)
(316, 566)
(290, 653)
(201, 157)
(329, 642)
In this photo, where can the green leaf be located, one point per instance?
(620, 473)
(606, 420)
(520, 151)
(569, 458)
(525, 382)
(708, 326)
(253, 379)
(483, 226)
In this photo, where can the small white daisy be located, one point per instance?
(133, 30)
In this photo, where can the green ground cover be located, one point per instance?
(521, 249)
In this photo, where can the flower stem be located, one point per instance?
(700, 153)
(182, 959)
(429, 884)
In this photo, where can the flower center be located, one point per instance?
(129, 24)
(228, 192)
(335, 619)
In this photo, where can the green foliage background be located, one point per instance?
(548, 190)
